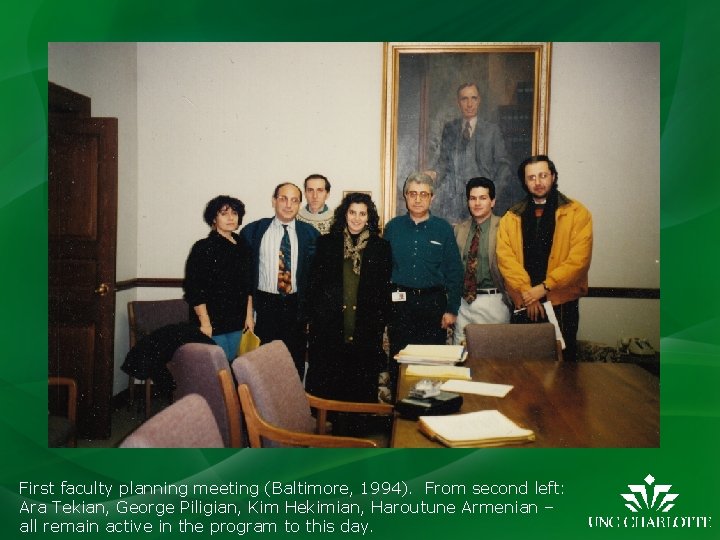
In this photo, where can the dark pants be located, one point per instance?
(415, 321)
(568, 317)
(277, 318)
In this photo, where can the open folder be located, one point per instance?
(474, 430)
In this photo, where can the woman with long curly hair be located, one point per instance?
(348, 304)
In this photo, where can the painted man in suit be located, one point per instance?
(484, 298)
(469, 147)
(279, 287)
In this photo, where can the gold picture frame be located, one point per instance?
(421, 84)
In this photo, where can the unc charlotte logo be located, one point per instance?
(647, 503)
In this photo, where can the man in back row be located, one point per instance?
(544, 248)
(282, 249)
(316, 212)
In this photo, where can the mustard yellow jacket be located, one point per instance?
(570, 255)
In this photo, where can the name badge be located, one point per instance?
(399, 296)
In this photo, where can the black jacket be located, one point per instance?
(336, 368)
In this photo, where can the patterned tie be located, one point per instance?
(470, 282)
(466, 131)
(284, 276)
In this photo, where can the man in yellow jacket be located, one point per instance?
(544, 247)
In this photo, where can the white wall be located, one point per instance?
(604, 138)
(239, 118)
(200, 119)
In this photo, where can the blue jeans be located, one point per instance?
(229, 343)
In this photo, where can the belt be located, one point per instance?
(418, 292)
(487, 291)
(274, 295)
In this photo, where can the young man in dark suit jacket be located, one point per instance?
(279, 293)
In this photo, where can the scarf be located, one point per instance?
(353, 250)
(537, 237)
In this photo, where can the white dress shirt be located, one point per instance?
(270, 256)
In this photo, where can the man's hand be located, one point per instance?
(534, 294)
(535, 311)
(448, 320)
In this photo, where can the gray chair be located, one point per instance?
(195, 368)
(276, 408)
(187, 423)
(512, 342)
(144, 317)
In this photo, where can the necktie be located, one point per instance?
(284, 266)
(466, 131)
(470, 282)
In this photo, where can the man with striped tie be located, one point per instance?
(282, 249)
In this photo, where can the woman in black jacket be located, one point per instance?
(217, 276)
(348, 304)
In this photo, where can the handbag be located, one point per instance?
(248, 342)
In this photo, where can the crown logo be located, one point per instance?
(656, 504)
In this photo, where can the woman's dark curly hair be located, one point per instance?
(214, 207)
(340, 219)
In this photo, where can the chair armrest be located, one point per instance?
(232, 407)
(323, 405)
(257, 428)
(349, 406)
(72, 394)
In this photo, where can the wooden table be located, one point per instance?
(566, 404)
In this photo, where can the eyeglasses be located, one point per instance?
(283, 199)
(424, 195)
(542, 176)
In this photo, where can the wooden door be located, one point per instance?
(82, 198)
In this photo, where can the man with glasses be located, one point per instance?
(282, 250)
(427, 273)
(544, 247)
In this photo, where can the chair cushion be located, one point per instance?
(194, 368)
(275, 386)
(187, 423)
(511, 341)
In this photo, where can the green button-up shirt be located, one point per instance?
(426, 255)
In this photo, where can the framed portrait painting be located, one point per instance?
(460, 110)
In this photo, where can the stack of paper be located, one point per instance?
(476, 387)
(475, 429)
(432, 354)
(439, 372)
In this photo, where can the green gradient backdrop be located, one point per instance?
(592, 479)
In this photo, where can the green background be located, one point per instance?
(592, 479)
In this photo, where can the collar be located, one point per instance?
(322, 210)
(473, 123)
(279, 224)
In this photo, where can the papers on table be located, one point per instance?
(432, 354)
(439, 372)
(475, 429)
(553, 319)
(479, 388)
